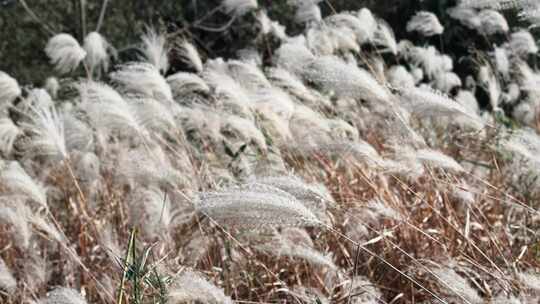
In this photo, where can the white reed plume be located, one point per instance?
(429, 58)
(144, 79)
(151, 210)
(14, 212)
(293, 55)
(153, 115)
(228, 91)
(287, 244)
(244, 129)
(369, 25)
(107, 109)
(429, 103)
(184, 83)
(18, 182)
(52, 86)
(147, 166)
(155, 49)
(8, 134)
(65, 52)
(362, 27)
(345, 80)
(399, 77)
(530, 280)
(307, 11)
(466, 16)
(500, 57)
(459, 288)
(7, 280)
(63, 295)
(426, 23)
(96, 48)
(78, 134)
(492, 22)
(239, 8)
(522, 43)
(384, 36)
(262, 207)
(437, 159)
(447, 81)
(311, 196)
(248, 75)
(46, 130)
(189, 55)
(193, 287)
(9, 90)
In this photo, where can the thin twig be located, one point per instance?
(35, 17)
(102, 15)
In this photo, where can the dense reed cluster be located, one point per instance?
(346, 168)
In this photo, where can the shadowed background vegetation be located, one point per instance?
(23, 37)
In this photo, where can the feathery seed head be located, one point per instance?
(426, 23)
(65, 52)
(96, 47)
(9, 90)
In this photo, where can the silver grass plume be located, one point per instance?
(18, 182)
(248, 75)
(429, 58)
(64, 52)
(261, 207)
(530, 280)
(492, 22)
(287, 244)
(245, 129)
(233, 96)
(46, 129)
(369, 25)
(501, 61)
(52, 86)
(437, 159)
(348, 81)
(96, 48)
(239, 8)
(522, 43)
(399, 77)
(155, 49)
(189, 55)
(182, 84)
(36, 271)
(78, 134)
(459, 288)
(8, 134)
(14, 212)
(384, 36)
(311, 196)
(426, 23)
(7, 281)
(447, 81)
(193, 287)
(357, 25)
(152, 211)
(63, 295)
(144, 79)
(293, 55)
(363, 291)
(429, 103)
(147, 166)
(307, 11)
(107, 109)
(9, 90)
